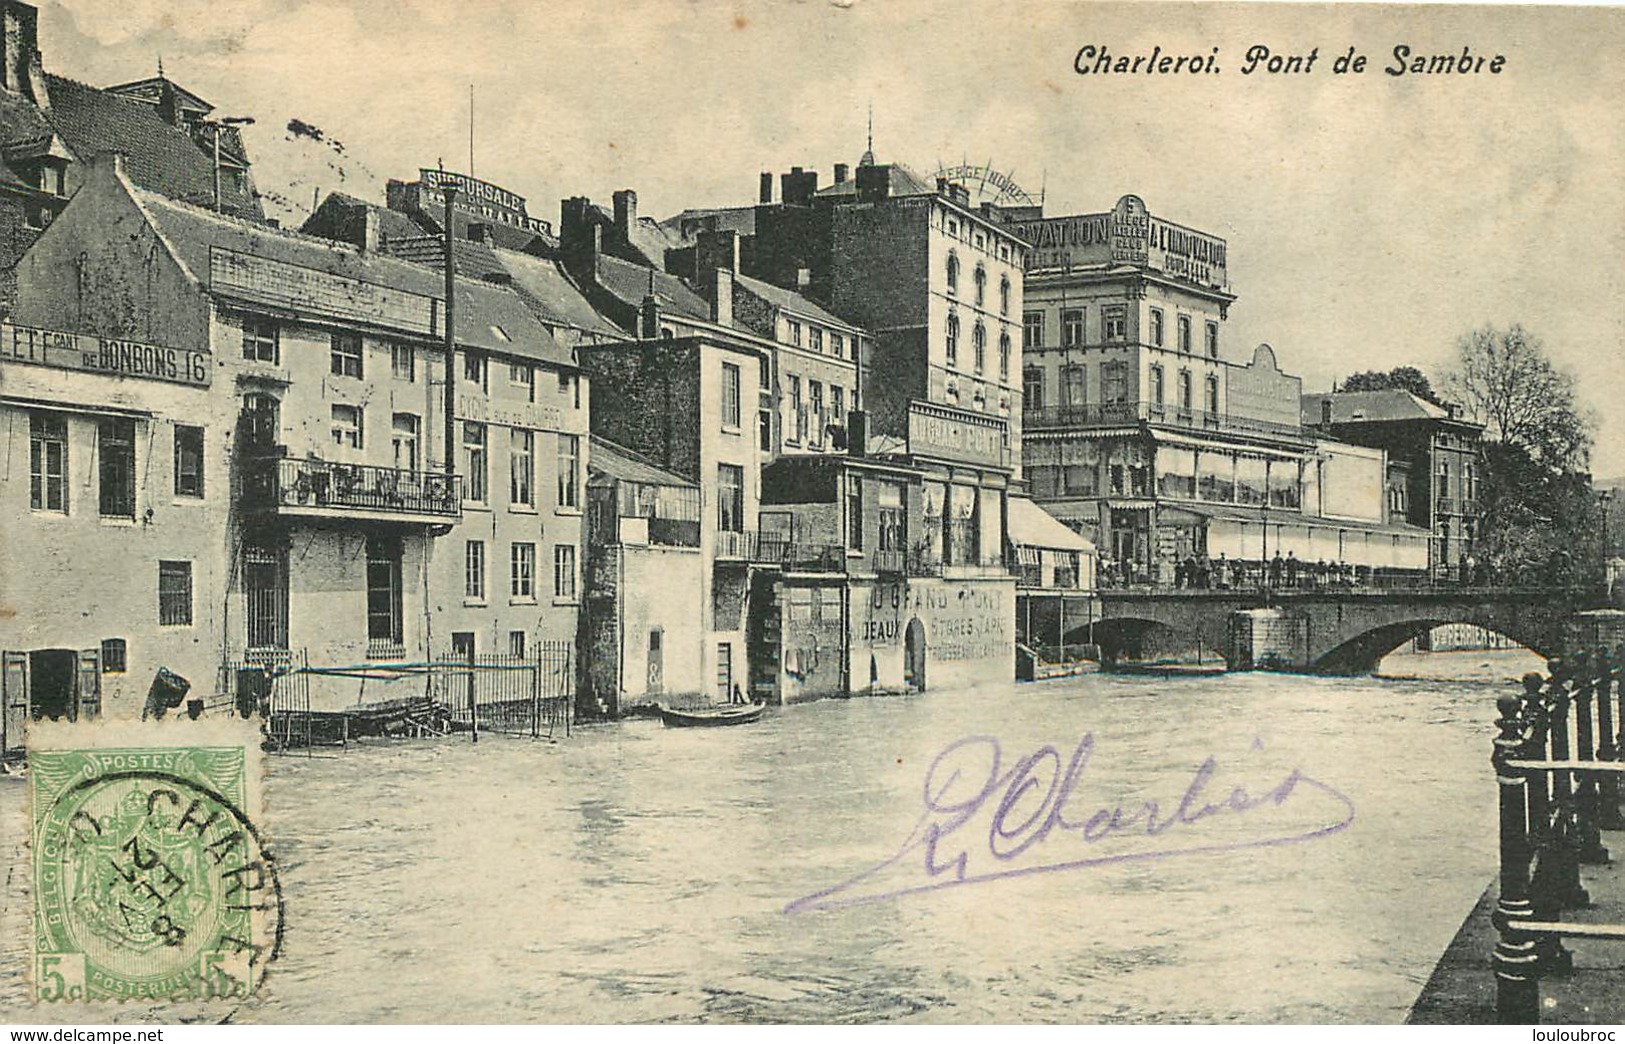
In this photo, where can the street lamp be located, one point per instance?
(216, 125)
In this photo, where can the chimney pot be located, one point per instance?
(841, 173)
(765, 194)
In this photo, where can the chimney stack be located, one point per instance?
(841, 173)
(19, 22)
(766, 193)
(369, 230)
(722, 301)
(797, 187)
(713, 250)
(626, 214)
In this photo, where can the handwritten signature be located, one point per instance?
(1035, 799)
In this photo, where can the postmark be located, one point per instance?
(151, 880)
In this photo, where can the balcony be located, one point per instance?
(326, 489)
(889, 561)
(777, 549)
(1119, 414)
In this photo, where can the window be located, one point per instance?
(564, 571)
(978, 342)
(403, 362)
(175, 594)
(404, 439)
(1114, 381)
(953, 272)
(1212, 340)
(1184, 333)
(1032, 388)
(1159, 391)
(188, 461)
(347, 426)
(893, 536)
(1156, 327)
(1212, 395)
(854, 512)
(474, 462)
(522, 570)
(569, 469)
(795, 332)
(260, 340)
(1004, 291)
(837, 345)
(764, 430)
(981, 286)
(730, 498)
(953, 340)
(522, 467)
(1004, 356)
(1074, 386)
(346, 354)
(474, 368)
(524, 376)
(815, 408)
(1032, 330)
(115, 454)
(953, 228)
(48, 462)
(474, 570)
(516, 644)
(1072, 328)
(798, 416)
(383, 592)
(815, 338)
(837, 405)
(115, 659)
(1114, 323)
(730, 397)
(1184, 389)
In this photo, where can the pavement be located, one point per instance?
(1461, 991)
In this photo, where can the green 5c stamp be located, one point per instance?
(151, 880)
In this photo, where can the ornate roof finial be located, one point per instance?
(868, 159)
(160, 66)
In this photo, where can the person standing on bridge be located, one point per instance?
(1221, 572)
(1292, 568)
(1275, 569)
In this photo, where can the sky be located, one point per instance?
(1371, 219)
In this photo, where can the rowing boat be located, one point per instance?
(730, 714)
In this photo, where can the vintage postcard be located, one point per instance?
(852, 512)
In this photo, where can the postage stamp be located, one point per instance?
(151, 879)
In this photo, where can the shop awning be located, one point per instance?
(1032, 526)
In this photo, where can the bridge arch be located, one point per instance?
(1362, 653)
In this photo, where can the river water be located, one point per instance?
(636, 873)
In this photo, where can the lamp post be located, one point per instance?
(216, 125)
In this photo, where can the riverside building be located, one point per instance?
(1146, 434)
(326, 520)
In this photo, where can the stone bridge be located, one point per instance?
(1334, 632)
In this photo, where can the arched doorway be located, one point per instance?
(914, 655)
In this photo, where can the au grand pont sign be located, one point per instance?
(951, 435)
(1127, 234)
(104, 355)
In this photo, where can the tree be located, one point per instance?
(1505, 381)
(1538, 515)
(1405, 378)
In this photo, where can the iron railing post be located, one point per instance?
(1515, 960)
(1608, 812)
(1586, 797)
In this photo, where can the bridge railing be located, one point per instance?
(1558, 766)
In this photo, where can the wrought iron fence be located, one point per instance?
(1555, 801)
(281, 482)
(528, 695)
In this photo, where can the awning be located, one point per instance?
(1032, 526)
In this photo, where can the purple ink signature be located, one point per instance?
(953, 797)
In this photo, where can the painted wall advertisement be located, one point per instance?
(968, 621)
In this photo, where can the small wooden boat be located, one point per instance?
(728, 714)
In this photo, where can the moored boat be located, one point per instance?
(731, 714)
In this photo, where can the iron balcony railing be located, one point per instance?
(280, 483)
(1113, 414)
